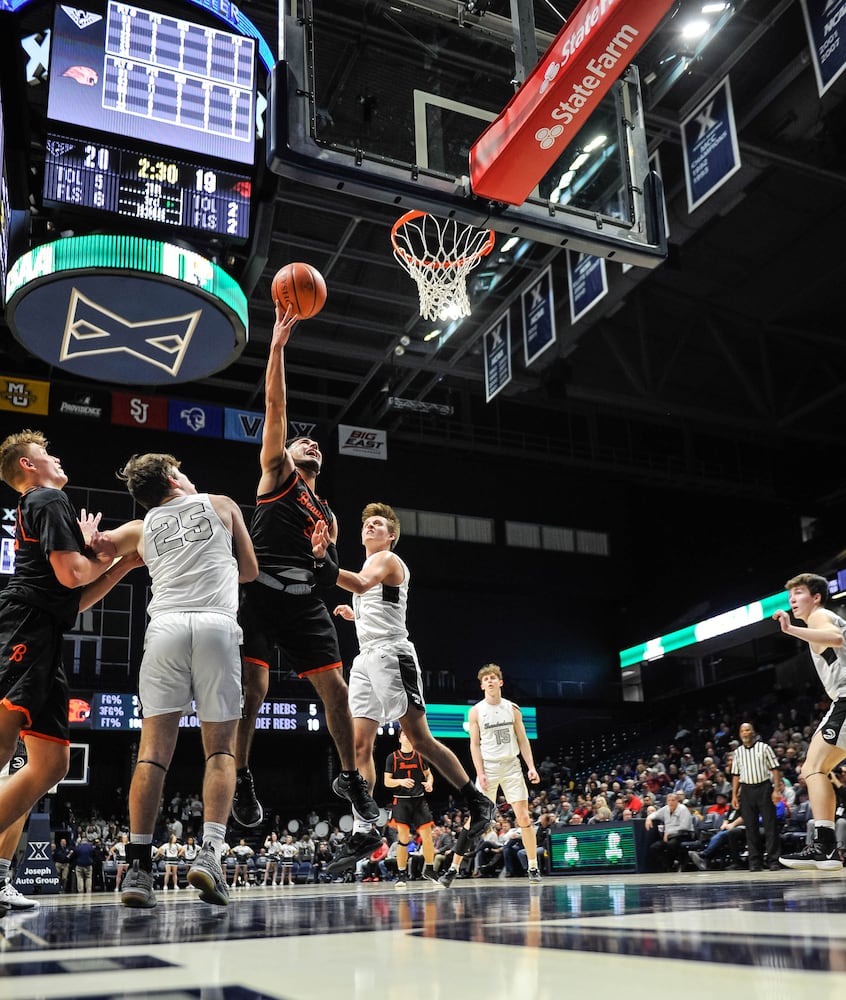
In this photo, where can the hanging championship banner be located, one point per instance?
(709, 144)
(588, 281)
(538, 317)
(497, 342)
(825, 21)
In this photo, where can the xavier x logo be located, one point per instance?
(91, 329)
(38, 850)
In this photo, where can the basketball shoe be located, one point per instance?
(137, 889)
(819, 856)
(356, 791)
(246, 808)
(207, 876)
(359, 846)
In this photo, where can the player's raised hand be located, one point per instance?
(320, 540)
(345, 612)
(285, 320)
(783, 619)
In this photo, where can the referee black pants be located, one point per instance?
(757, 801)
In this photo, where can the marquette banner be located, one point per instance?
(243, 425)
(538, 317)
(362, 441)
(825, 21)
(709, 144)
(24, 395)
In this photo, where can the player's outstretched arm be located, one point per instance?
(274, 458)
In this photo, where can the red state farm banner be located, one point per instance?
(588, 55)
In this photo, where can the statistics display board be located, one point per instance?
(122, 713)
(162, 79)
(146, 185)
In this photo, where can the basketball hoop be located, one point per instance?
(439, 256)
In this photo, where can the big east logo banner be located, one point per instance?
(362, 441)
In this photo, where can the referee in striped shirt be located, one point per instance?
(751, 766)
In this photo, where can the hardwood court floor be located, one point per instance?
(767, 935)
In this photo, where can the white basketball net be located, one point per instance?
(439, 255)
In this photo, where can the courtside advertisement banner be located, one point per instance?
(497, 343)
(709, 144)
(538, 317)
(588, 55)
(825, 21)
(363, 442)
(588, 281)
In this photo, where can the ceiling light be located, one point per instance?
(714, 8)
(695, 29)
(595, 143)
(509, 244)
(431, 335)
(580, 161)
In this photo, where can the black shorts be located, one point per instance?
(300, 627)
(32, 679)
(412, 811)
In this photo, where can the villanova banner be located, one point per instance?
(242, 425)
(37, 874)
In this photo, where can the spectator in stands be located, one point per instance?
(666, 853)
(564, 809)
(682, 782)
(82, 858)
(63, 862)
(444, 840)
(726, 843)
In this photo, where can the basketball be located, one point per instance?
(301, 287)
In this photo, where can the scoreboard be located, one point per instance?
(140, 129)
(147, 186)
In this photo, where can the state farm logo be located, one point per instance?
(546, 136)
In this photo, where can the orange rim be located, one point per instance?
(435, 265)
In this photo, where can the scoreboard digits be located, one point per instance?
(147, 187)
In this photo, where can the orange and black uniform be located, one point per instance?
(410, 806)
(283, 608)
(35, 612)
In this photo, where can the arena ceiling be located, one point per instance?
(717, 370)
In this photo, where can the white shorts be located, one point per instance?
(507, 775)
(192, 656)
(385, 682)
